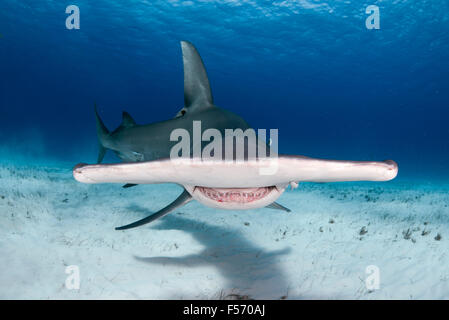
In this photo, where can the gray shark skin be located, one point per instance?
(232, 185)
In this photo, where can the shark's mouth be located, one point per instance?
(235, 195)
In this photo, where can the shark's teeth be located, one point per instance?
(237, 195)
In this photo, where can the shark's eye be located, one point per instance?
(183, 112)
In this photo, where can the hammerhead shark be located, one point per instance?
(239, 184)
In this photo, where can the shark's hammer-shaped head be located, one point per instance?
(237, 184)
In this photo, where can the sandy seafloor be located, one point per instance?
(320, 250)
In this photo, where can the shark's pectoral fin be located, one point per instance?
(129, 185)
(278, 206)
(184, 198)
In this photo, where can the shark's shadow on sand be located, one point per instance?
(248, 270)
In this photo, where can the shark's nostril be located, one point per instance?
(392, 165)
(79, 165)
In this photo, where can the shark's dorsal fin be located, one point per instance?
(127, 120)
(197, 93)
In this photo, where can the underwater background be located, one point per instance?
(312, 69)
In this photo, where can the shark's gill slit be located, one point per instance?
(235, 195)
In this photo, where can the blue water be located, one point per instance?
(333, 88)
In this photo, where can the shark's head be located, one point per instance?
(236, 198)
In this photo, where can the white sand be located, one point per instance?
(49, 221)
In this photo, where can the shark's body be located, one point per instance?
(238, 184)
(132, 142)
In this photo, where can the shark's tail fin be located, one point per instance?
(103, 134)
